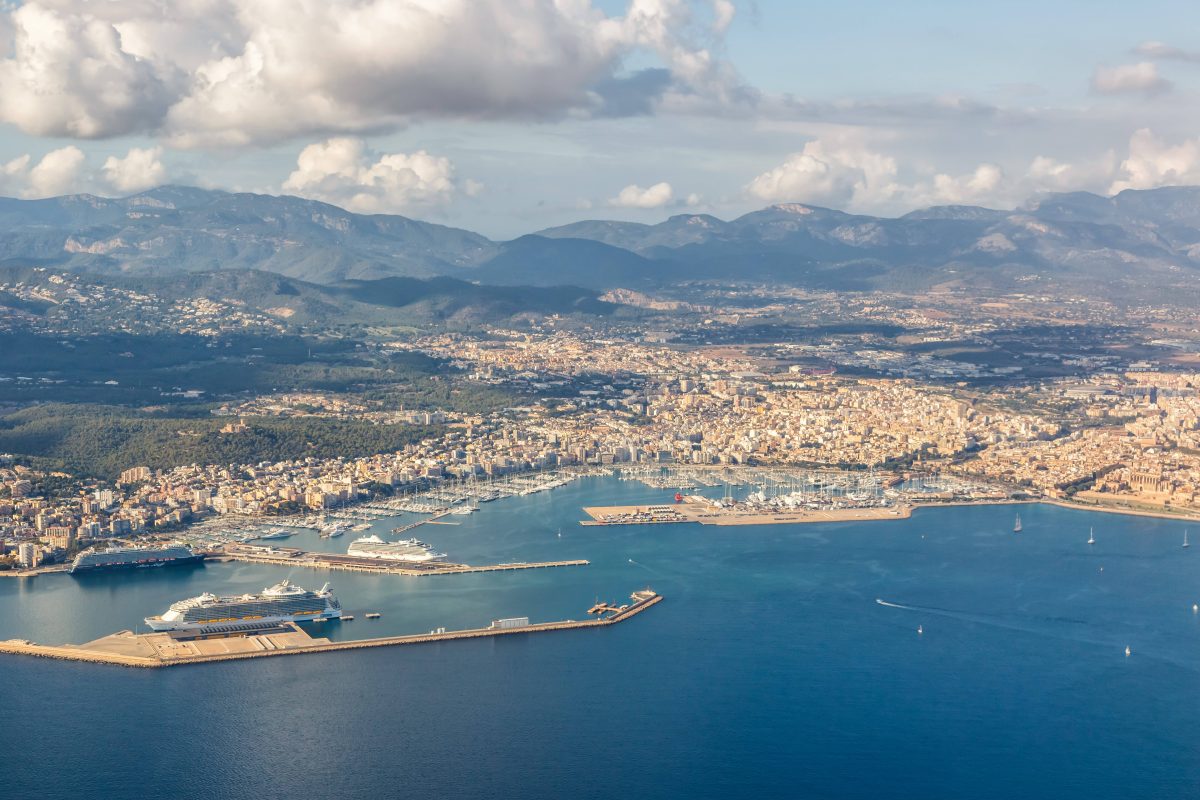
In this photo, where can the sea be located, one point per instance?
(940, 656)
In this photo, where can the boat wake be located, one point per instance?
(1058, 628)
(1022, 622)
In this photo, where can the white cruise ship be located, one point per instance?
(283, 602)
(406, 550)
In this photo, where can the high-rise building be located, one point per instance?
(135, 475)
(27, 554)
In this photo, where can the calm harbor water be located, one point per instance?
(769, 671)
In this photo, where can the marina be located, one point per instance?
(772, 496)
(153, 650)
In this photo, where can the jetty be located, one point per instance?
(291, 557)
(697, 509)
(177, 648)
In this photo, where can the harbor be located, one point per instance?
(153, 650)
(773, 496)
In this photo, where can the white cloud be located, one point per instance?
(1152, 162)
(838, 173)
(843, 172)
(235, 72)
(141, 168)
(69, 76)
(59, 172)
(634, 196)
(343, 171)
(1166, 52)
(981, 185)
(1140, 78)
(723, 13)
(14, 174)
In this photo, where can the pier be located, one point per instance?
(418, 523)
(289, 557)
(707, 512)
(154, 650)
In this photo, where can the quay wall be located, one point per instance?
(107, 657)
(314, 561)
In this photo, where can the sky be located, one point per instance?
(509, 116)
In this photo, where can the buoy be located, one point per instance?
(920, 629)
(1127, 651)
(1195, 607)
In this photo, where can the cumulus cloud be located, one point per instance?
(981, 185)
(68, 75)
(66, 171)
(58, 172)
(235, 72)
(839, 173)
(1152, 162)
(1140, 78)
(634, 196)
(846, 173)
(345, 172)
(1166, 52)
(14, 175)
(140, 168)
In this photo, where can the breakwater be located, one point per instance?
(155, 650)
(334, 561)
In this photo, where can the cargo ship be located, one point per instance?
(283, 602)
(134, 558)
(410, 550)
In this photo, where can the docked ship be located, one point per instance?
(283, 602)
(134, 558)
(407, 550)
(278, 533)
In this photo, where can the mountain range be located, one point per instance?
(1137, 244)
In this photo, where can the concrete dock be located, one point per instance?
(289, 557)
(704, 511)
(154, 650)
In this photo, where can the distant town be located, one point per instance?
(1116, 435)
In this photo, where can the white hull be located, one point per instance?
(160, 624)
(413, 559)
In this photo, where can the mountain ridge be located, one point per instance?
(1134, 244)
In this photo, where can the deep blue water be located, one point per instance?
(768, 671)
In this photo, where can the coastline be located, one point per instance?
(1130, 512)
(685, 513)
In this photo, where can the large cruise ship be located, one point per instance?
(283, 602)
(134, 558)
(406, 550)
